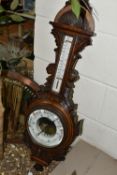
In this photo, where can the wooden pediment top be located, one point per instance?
(84, 22)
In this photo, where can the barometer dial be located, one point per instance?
(45, 128)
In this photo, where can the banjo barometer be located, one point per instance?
(51, 121)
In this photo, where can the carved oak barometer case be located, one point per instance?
(52, 120)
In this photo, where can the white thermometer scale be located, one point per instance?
(62, 64)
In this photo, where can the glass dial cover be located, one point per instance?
(45, 128)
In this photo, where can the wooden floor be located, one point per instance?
(85, 159)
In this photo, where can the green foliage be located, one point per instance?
(5, 20)
(16, 18)
(5, 15)
(1, 9)
(14, 4)
(76, 7)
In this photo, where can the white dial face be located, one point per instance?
(62, 64)
(45, 128)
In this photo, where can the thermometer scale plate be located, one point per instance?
(58, 79)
